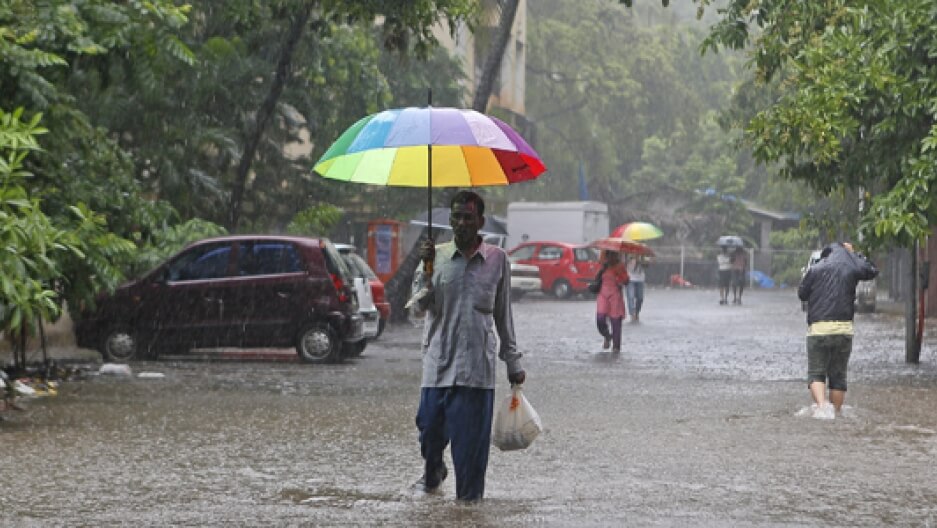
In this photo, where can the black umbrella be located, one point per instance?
(730, 241)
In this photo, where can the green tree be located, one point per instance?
(82, 180)
(629, 99)
(38, 251)
(856, 111)
(229, 133)
(315, 221)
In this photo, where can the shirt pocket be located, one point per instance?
(484, 299)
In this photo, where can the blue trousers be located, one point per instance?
(462, 416)
(634, 293)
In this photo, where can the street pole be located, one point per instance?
(912, 352)
(682, 257)
(751, 262)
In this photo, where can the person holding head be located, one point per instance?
(829, 288)
(468, 301)
(609, 302)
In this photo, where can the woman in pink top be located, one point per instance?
(610, 303)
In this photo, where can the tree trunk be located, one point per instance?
(912, 349)
(264, 113)
(398, 287)
(495, 55)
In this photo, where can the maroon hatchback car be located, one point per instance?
(236, 291)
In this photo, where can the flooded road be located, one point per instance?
(696, 424)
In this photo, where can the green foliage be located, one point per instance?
(184, 140)
(625, 95)
(315, 221)
(28, 239)
(856, 107)
(41, 41)
(81, 190)
(98, 262)
(792, 248)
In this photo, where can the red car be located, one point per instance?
(565, 268)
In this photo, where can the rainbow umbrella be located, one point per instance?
(638, 231)
(430, 147)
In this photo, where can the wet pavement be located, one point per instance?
(695, 424)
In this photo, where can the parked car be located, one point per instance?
(237, 291)
(866, 291)
(525, 278)
(565, 269)
(360, 269)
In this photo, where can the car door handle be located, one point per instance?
(283, 294)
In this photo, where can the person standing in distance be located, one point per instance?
(635, 288)
(829, 288)
(469, 300)
(724, 265)
(739, 274)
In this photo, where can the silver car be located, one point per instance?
(525, 278)
(366, 307)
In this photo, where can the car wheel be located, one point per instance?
(317, 343)
(119, 344)
(380, 327)
(355, 349)
(561, 289)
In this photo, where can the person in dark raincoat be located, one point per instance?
(829, 289)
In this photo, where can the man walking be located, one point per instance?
(829, 288)
(739, 274)
(634, 291)
(469, 298)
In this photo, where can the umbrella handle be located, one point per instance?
(428, 263)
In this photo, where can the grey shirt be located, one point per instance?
(470, 300)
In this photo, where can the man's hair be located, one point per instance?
(466, 197)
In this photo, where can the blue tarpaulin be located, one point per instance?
(761, 280)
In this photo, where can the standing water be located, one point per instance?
(699, 422)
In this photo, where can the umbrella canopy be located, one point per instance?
(469, 149)
(638, 231)
(622, 245)
(430, 147)
(730, 241)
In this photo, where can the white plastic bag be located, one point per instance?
(517, 424)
